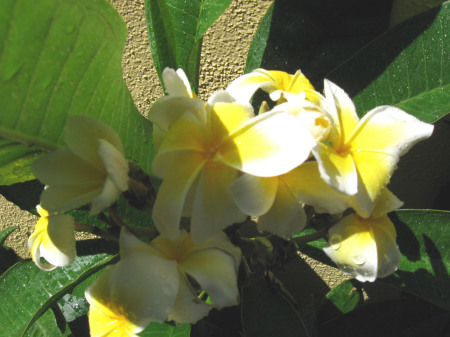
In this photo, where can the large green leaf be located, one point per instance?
(408, 66)
(26, 292)
(59, 58)
(423, 237)
(404, 317)
(176, 28)
(315, 36)
(266, 312)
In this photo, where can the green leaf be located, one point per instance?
(5, 233)
(315, 36)
(408, 67)
(49, 324)
(156, 329)
(59, 58)
(340, 300)
(26, 292)
(423, 237)
(176, 28)
(265, 312)
(392, 318)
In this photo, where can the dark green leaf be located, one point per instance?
(5, 233)
(26, 292)
(176, 28)
(408, 67)
(340, 300)
(315, 36)
(49, 324)
(388, 319)
(156, 329)
(423, 237)
(265, 312)
(60, 58)
(73, 307)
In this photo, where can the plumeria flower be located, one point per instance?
(91, 168)
(53, 239)
(204, 150)
(365, 247)
(280, 86)
(278, 201)
(151, 282)
(108, 315)
(359, 156)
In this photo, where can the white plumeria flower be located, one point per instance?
(53, 239)
(365, 247)
(151, 283)
(109, 316)
(280, 86)
(359, 156)
(205, 148)
(90, 169)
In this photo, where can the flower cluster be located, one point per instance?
(220, 163)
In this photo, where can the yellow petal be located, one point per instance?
(268, 145)
(286, 216)
(214, 208)
(353, 248)
(105, 317)
(172, 193)
(254, 195)
(336, 169)
(227, 117)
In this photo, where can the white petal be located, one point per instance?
(58, 242)
(81, 135)
(268, 145)
(109, 195)
(216, 273)
(176, 83)
(115, 164)
(214, 208)
(188, 308)
(286, 216)
(353, 248)
(254, 195)
(146, 286)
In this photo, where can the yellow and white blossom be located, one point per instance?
(91, 168)
(365, 247)
(280, 86)
(53, 239)
(108, 316)
(204, 149)
(151, 283)
(278, 201)
(359, 156)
